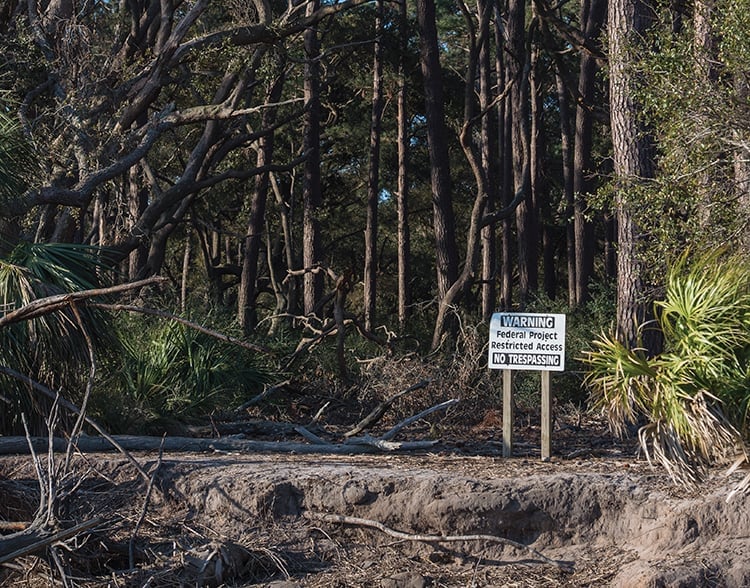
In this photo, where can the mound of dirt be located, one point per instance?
(391, 521)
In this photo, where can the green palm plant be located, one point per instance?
(52, 348)
(692, 399)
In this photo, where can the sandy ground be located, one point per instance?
(449, 517)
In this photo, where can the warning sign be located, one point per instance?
(527, 341)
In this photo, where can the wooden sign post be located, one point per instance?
(527, 342)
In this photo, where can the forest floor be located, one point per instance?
(458, 514)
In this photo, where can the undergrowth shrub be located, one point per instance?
(168, 374)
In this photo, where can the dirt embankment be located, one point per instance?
(614, 523)
(248, 520)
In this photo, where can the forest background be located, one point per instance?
(339, 186)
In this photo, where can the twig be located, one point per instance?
(406, 422)
(378, 412)
(319, 414)
(347, 520)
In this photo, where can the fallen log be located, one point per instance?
(86, 444)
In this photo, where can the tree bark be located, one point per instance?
(373, 180)
(312, 196)
(593, 15)
(442, 203)
(526, 225)
(633, 159)
(488, 160)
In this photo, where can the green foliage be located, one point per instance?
(694, 395)
(169, 373)
(694, 99)
(16, 159)
(51, 348)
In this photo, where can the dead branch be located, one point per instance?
(33, 540)
(187, 323)
(92, 444)
(384, 445)
(263, 395)
(311, 437)
(406, 422)
(380, 410)
(75, 410)
(49, 304)
(347, 520)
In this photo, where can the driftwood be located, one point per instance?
(380, 410)
(347, 520)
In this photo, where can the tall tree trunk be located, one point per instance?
(539, 189)
(488, 161)
(373, 180)
(567, 163)
(247, 314)
(506, 163)
(311, 191)
(442, 203)
(518, 65)
(404, 239)
(593, 14)
(633, 160)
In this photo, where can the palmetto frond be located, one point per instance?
(695, 395)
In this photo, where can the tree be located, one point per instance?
(633, 159)
(373, 180)
(443, 218)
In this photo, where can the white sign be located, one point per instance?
(520, 341)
